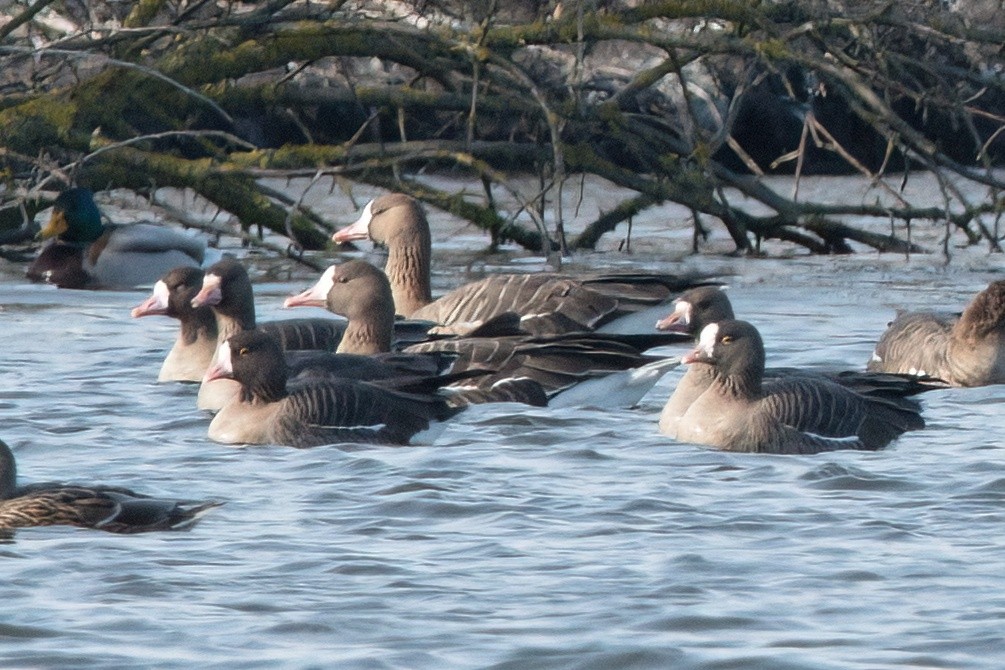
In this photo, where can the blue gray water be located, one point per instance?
(522, 538)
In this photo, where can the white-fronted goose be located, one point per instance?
(698, 307)
(85, 253)
(740, 411)
(266, 411)
(361, 292)
(547, 303)
(226, 288)
(197, 337)
(962, 350)
(108, 508)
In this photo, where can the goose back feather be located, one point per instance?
(962, 350)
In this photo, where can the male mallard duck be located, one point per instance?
(85, 253)
(108, 508)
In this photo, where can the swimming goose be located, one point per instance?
(962, 350)
(698, 307)
(108, 508)
(88, 254)
(740, 411)
(196, 343)
(548, 303)
(226, 288)
(268, 411)
(362, 293)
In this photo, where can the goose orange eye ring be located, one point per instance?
(243, 351)
(726, 339)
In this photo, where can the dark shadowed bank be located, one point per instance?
(692, 103)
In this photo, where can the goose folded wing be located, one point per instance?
(350, 411)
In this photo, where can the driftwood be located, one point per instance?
(684, 102)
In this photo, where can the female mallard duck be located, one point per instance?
(108, 508)
(84, 253)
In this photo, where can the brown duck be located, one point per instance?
(108, 508)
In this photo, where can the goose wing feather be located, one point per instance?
(348, 411)
(293, 334)
(915, 343)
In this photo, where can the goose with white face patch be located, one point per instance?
(310, 413)
(547, 303)
(740, 411)
(698, 307)
(196, 342)
(592, 368)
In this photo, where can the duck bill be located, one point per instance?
(56, 226)
(359, 230)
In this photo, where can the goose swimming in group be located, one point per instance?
(547, 303)
(85, 253)
(196, 343)
(269, 411)
(965, 349)
(362, 293)
(701, 306)
(109, 508)
(741, 411)
(226, 289)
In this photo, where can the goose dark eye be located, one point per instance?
(726, 339)
(243, 351)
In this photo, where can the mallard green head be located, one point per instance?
(75, 218)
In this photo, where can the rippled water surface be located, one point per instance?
(522, 538)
